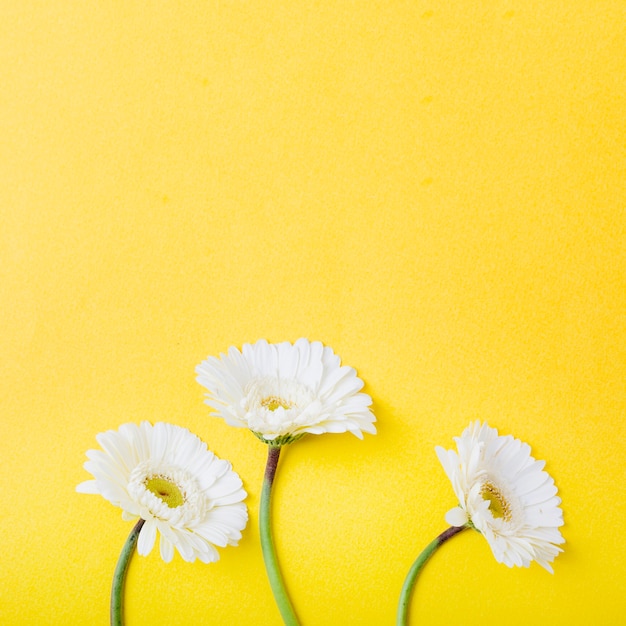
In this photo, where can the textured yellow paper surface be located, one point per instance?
(437, 193)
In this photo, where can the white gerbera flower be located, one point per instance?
(166, 476)
(282, 391)
(504, 493)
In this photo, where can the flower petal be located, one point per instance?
(147, 536)
(456, 516)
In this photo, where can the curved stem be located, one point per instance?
(119, 577)
(416, 568)
(267, 540)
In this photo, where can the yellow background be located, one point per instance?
(435, 190)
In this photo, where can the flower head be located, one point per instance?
(166, 475)
(504, 493)
(282, 391)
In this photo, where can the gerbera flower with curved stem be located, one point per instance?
(505, 494)
(282, 392)
(165, 476)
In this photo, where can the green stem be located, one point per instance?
(267, 540)
(416, 568)
(119, 578)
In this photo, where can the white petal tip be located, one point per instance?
(89, 486)
(456, 517)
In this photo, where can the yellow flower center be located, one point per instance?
(166, 490)
(498, 504)
(273, 402)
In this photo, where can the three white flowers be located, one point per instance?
(166, 477)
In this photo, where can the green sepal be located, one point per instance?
(283, 440)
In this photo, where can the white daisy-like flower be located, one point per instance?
(504, 493)
(282, 391)
(166, 476)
